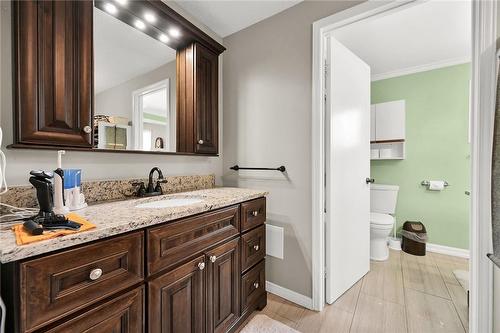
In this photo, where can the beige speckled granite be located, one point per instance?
(107, 190)
(114, 218)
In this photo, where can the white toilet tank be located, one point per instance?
(383, 198)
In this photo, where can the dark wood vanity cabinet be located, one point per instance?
(52, 58)
(203, 274)
(197, 100)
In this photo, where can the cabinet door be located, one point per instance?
(121, 314)
(177, 299)
(373, 110)
(53, 72)
(206, 100)
(390, 121)
(223, 286)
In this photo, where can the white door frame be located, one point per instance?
(483, 92)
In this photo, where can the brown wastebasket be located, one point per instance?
(414, 238)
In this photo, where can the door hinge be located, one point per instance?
(326, 274)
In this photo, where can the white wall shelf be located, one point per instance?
(388, 131)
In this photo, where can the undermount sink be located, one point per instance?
(169, 203)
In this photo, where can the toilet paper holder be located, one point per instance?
(427, 183)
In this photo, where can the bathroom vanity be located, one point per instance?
(199, 267)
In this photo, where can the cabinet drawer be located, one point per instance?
(253, 285)
(253, 247)
(173, 243)
(56, 285)
(121, 314)
(253, 213)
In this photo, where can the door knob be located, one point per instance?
(370, 180)
(200, 142)
(213, 258)
(87, 129)
(201, 266)
(95, 274)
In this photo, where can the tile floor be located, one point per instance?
(404, 294)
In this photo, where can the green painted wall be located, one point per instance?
(437, 115)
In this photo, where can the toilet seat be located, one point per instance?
(381, 220)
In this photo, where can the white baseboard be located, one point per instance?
(451, 251)
(289, 295)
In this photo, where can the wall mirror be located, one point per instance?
(113, 75)
(134, 86)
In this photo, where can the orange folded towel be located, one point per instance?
(23, 237)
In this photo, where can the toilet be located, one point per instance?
(383, 200)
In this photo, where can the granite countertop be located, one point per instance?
(115, 218)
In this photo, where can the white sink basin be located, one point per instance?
(168, 203)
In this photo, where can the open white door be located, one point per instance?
(347, 156)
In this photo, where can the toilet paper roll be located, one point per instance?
(436, 185)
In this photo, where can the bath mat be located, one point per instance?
(263, 324)
(463, 278)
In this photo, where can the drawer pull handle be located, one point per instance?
(87, 129)
(201, 266)
(213, 258)
(200, 142)
(256, 247)
(256, 285)
(95, 274)
(255, 213)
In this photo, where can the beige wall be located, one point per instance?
(94, 165)
(267, 123)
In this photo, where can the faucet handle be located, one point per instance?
(142, 189)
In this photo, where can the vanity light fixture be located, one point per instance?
(110, 8)
(150, 18)
(163, 38)
(139, 24)
(174, 32)
(122, 2)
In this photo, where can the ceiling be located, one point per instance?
(228, 17)
(428, 34)
(122, 52)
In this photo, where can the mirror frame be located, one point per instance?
(129, 12)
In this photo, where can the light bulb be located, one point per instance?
(174, 32)
(150, 17)
(110, 8)
(164, 38)
(139, 24)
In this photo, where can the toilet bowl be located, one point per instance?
(380, 227)
(383, 200)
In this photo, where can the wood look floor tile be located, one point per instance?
(375, 315)
(459, 298)
(348, 300)
(385, 280)
(447, 264)
(428, 313)
(422, 274)
(331, 320)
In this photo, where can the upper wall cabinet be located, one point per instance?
(388, 121)
(127, 76)
(52, 47)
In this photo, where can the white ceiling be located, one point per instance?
(430, 33)
(228, 17)
(122, 52)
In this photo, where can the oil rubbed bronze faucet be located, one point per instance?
(151, 190)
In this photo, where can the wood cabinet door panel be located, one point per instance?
(123, 314)
(253, 213)
(175, 242)
(53, 72)
(253, 247)
(223, 286)
(59, 284)
(177, 300)
(206, 99)
(253, 285)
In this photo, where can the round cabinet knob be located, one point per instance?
(200, 142)
(95, 274)
(256, 247)
(256, 285)
(201, 266)
(213, 258)
(255, 213)
(87, 129)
